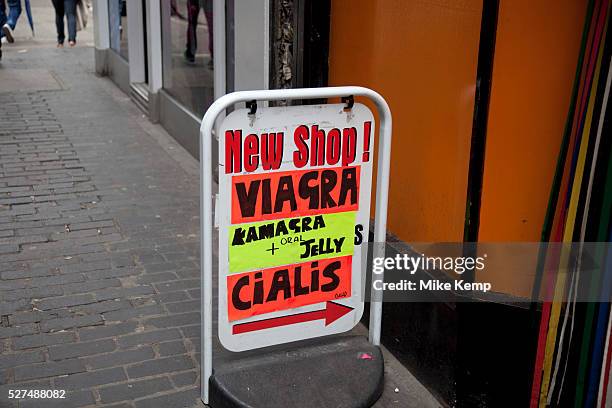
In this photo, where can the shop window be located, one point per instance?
(117, 10)
(188, 52)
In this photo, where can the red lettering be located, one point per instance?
(233, 151)
(349, 145)
(333, 146)
(251, 151)
(317, 146)
(271, 150)
(300, 156)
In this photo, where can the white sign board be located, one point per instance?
(293, 214)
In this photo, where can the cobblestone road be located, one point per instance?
(99, 288)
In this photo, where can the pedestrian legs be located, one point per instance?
(14, 13)
(59, 21)
(193, 10)
(70, 10)
(2, 15)
(11, 20)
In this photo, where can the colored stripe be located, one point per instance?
(585, 359)
(555, 214)
(576, 276)
(551, 312)
(565, 257)
(605, 228)
(606, 383)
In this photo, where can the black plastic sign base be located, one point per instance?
(345, 372)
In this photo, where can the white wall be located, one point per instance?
(100, 15)
(251, 44)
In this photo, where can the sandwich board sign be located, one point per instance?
(293, 214)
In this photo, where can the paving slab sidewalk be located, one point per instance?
(99, 243)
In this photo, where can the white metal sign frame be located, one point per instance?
(206, 199)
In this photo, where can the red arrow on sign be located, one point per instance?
(331, 313)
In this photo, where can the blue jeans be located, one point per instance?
(13, 15)
(67, 7)
(115, 9)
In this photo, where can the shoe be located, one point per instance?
(8, 33)
(189, 57)
(60, 45)
(72, 43)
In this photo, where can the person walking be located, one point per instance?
(193, 10)
(9, 22)
(67, 8)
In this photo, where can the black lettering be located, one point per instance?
(314, 277)
(306, 191)
(306, 244)
(338, 243)
(299, 289)
(252, 235)
(319, 222)
(294, 225)
(349, 184)
(328, 182)
(247, 200)
(266, 231)
(285, 193)
(329, 272)
(238, 237)
(306, 224)
(358, 235)
(258, 291)
(266, 197)
(281, 228)
(236, 301)
(280, 281)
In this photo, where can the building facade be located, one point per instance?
(479, 91)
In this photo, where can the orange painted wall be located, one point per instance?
(422, 57)
(535, 60)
